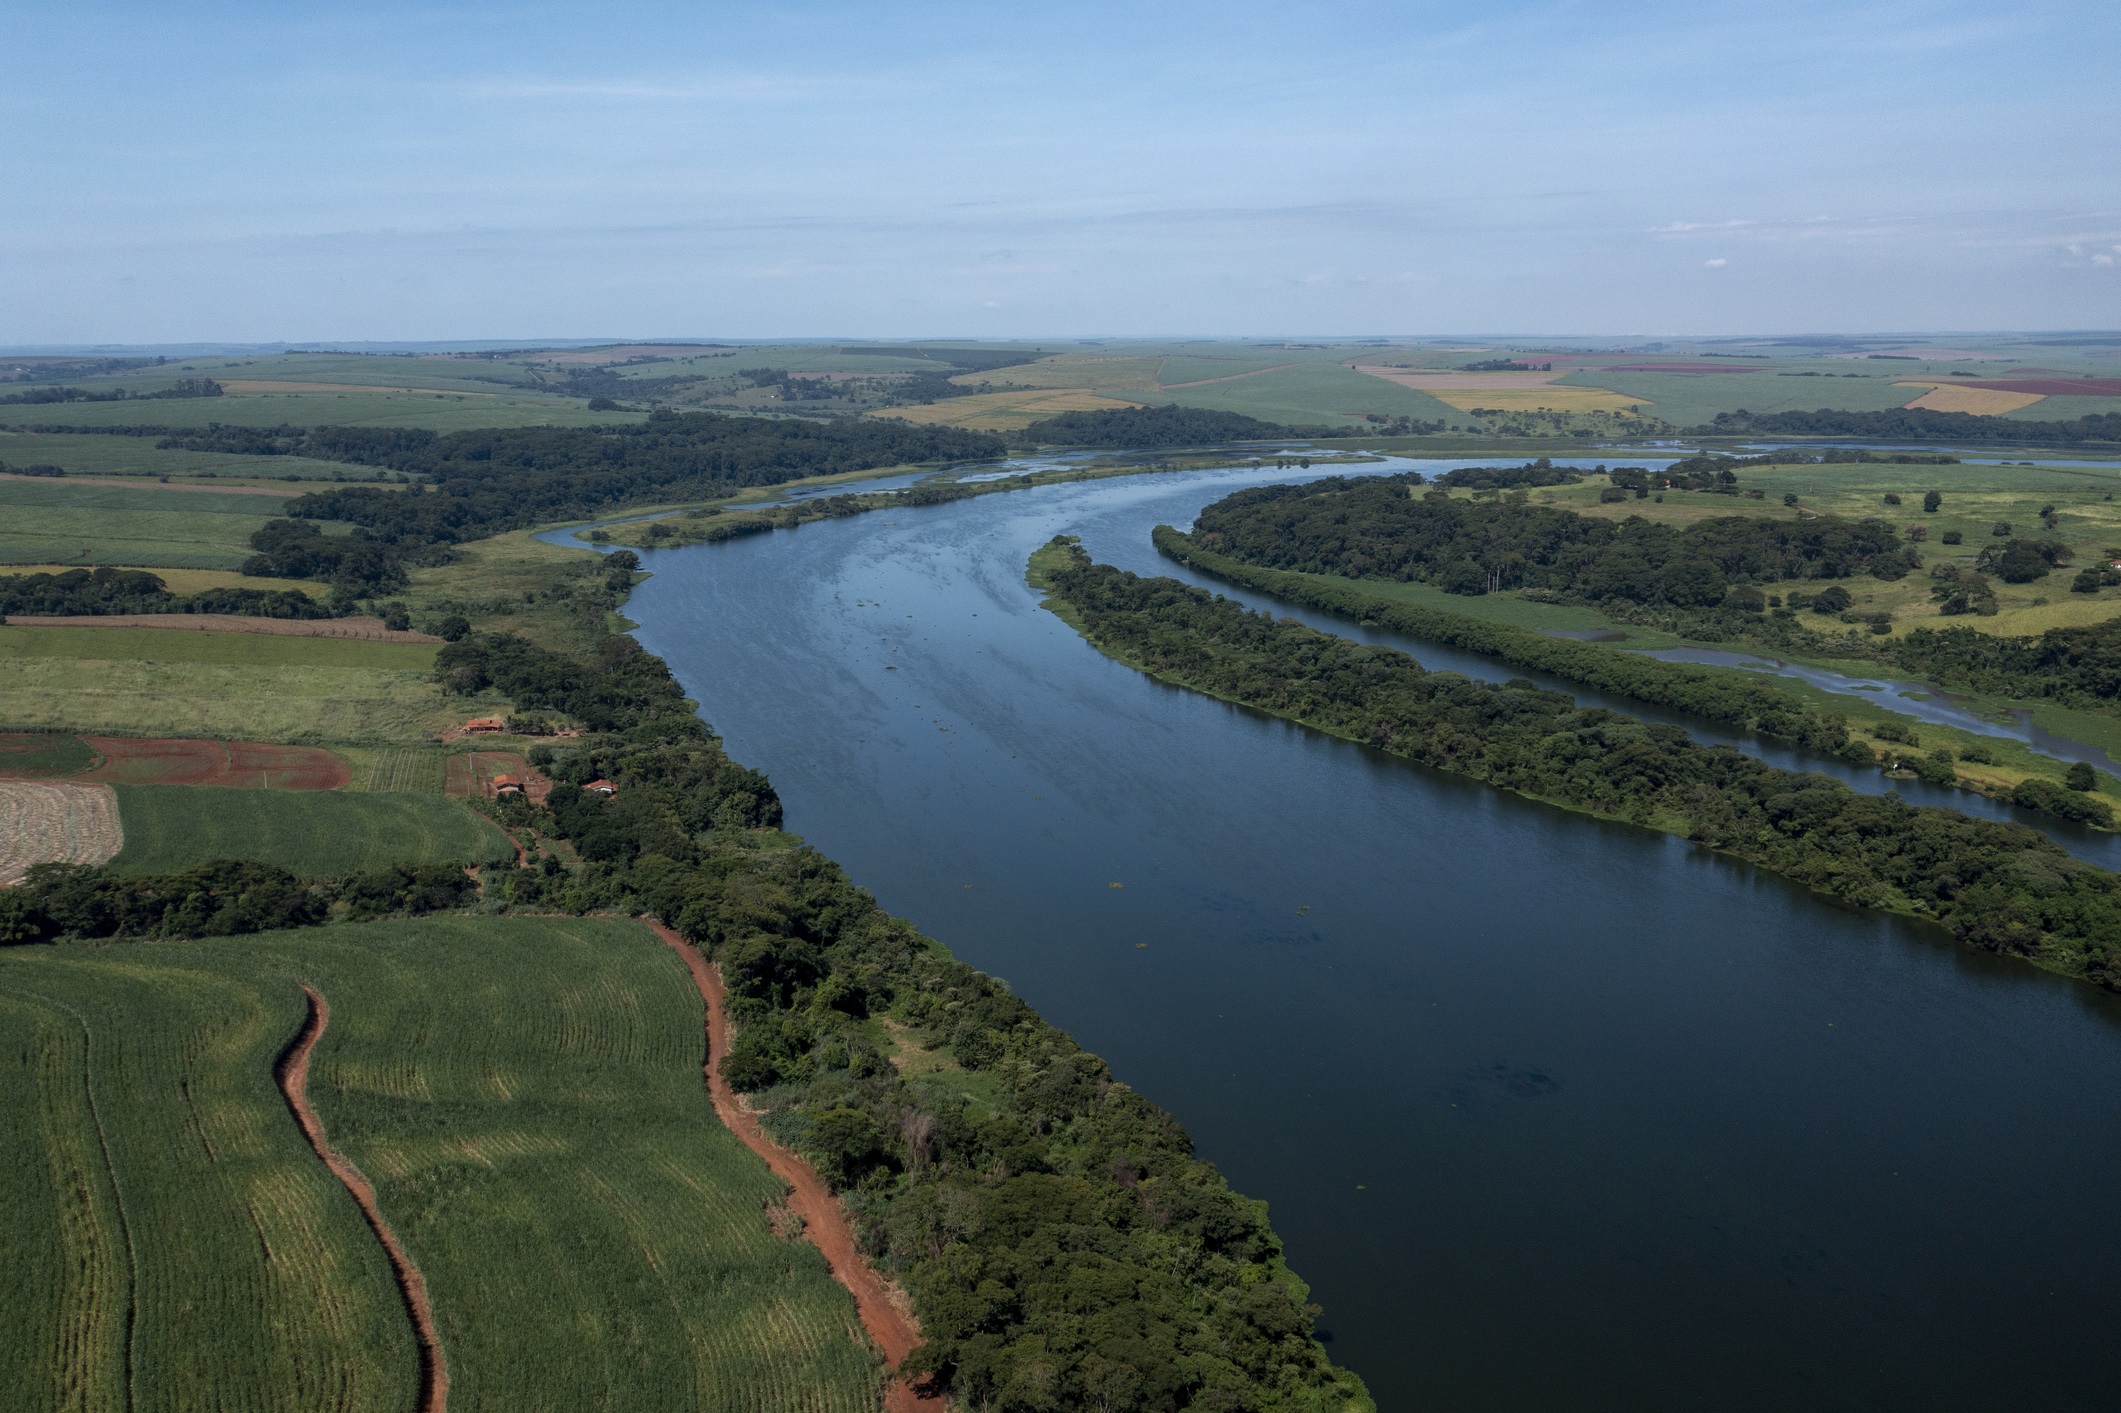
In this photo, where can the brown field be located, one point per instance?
(471, 775)
(1964, 397)
(1005, 411)
(275, 387)
(358, 626)
(248, 764)
(45, 821)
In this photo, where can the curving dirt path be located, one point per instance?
(893, 1328)
(293, 1074)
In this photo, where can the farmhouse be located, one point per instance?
(482, 724)
(506, 785)
(601, 787)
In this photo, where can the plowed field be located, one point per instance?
(250, 764)
(48, 821)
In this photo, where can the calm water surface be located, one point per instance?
(1552, 1114)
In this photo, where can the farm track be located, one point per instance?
(892, 1327)
(293, 1074)
(367, 629)
(49, 821)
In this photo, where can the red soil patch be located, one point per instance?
(472, 775)
(889, 1324)
(248, 764)
(370, 629)
(293, 1074)
(2044, 387)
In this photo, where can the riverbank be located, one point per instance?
(2004, 888)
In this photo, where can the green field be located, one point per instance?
(66, 522)
(525, 1095)
(245, 686)
(312, 833)
(1315, 393)
(171, 1241)
(138, 456)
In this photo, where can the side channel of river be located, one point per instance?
(1552, 1113)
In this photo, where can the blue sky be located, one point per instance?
(475, 170)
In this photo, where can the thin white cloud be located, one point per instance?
(1717, 264)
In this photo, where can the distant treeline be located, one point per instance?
(1915, 424)
(480, 483)
(1170, 425)
(183, 387)
(108, 591)
(1383, 527)
(219, 899)
(2002, 887)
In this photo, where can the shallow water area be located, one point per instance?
(1551, 1113)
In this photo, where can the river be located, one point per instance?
(1551, 1113)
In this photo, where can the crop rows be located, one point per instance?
(407, 770)
(308, 832)
(525, 1096)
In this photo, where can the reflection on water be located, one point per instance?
(1552, 1113)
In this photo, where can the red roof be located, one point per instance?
(602, 787)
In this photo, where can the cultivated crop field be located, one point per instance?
(75, 523)
(54, 821)
(523, 1093)
(1004, 411)
(254, 686)
(139, 456)
(313, 833)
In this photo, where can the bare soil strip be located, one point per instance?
(49, 821)
(887, 1321)
(366, 628)
(293, 1074)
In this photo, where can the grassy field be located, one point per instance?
(314, 833)
(249, 686)
(1314, 394)
(1101, 371)
(1691, 399)
(1976, 499)
(525, 1095)
(71, 523)
(90, 455)
(439, 412)
(171, 1241)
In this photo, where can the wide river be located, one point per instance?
(1552, 1114)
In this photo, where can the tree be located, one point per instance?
(1834, 600)
(2081, 777)
(1931, 500)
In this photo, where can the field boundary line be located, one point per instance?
(292, 1071)
(892, 1327)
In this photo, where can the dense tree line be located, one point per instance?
(2002, 887)
(182, 388)
(108, 591)
(1119, 428)
(1384, 527)
(218, 899)
(2076, 666)
(1915, 424)
(1062, 1246)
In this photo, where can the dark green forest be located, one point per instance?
(1915, 424)
(1122, 428)
(2001, 887)
(107, 591)
(1386, 527)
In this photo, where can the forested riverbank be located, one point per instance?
(2002, 887)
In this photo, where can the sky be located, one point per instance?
(297, 171)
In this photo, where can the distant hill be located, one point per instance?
(1169, 425)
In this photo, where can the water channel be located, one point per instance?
(1551, 1113)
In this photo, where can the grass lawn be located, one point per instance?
(525, 1095)
(314, 833)
(74, 523)
(245, 686)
